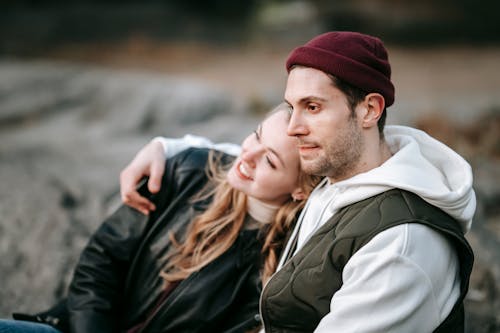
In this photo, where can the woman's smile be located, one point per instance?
(242, 171)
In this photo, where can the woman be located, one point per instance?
(197, 262)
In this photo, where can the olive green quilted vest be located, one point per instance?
(299, 295)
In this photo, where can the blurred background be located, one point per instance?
(85, 83)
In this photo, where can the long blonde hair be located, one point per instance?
(212, 232)
(283, 222)
(215, 230)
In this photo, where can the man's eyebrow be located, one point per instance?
(259, 129)
(310, 98)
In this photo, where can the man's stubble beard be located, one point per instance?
(338, 158)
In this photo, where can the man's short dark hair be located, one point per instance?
(355, 96)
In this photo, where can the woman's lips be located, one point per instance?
(242, 171)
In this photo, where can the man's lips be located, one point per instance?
(304, 147)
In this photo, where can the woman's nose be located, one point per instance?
(252, 154)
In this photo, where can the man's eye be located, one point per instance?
(256, 135)
(313, 107)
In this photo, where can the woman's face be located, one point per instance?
(268, 167)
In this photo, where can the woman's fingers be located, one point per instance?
(156, 172)
(149, 162)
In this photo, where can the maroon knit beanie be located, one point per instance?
(358, 59)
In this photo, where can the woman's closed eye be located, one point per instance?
(270, 162)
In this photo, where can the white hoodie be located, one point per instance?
(406, 278)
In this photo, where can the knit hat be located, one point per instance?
(358, 59)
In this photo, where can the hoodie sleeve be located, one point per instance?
(390, 286)
(172, 146)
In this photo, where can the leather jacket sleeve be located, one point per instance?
(96, 291)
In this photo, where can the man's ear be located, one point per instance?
(298, 194)
(374, 104)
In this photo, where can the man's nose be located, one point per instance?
(296, 125)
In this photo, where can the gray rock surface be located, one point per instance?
(67, 130)
(65, 133)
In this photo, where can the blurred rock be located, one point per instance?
(65, 133)
(479, 142)
(67, 130)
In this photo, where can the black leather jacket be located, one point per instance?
(116, 282)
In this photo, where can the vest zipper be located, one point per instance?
(260, 303)
(266, 327)
(285, 253)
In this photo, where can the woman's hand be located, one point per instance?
(149, 161)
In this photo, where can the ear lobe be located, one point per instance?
(374, 104)
(298, 194)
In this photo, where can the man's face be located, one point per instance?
(330, 141)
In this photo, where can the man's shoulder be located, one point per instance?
(396, 204)
(389, 209)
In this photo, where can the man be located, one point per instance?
(379, 246)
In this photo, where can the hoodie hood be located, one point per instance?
(422, 165)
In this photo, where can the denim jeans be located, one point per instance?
(16, 326)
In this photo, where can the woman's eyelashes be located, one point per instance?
(271, 164)
(268, 159)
